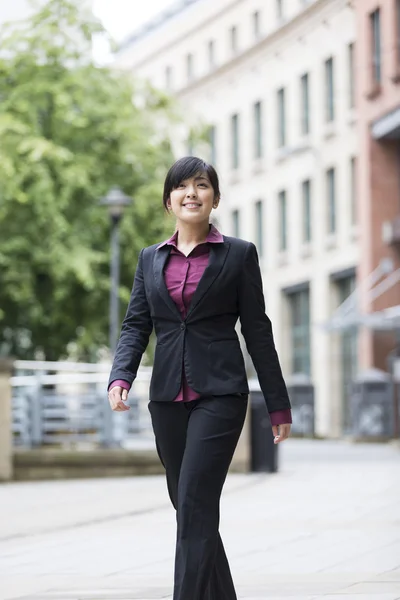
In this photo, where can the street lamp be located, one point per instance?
(116, 201)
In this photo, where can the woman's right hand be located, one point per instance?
(116, 397)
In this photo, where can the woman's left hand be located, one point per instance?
(282, 434)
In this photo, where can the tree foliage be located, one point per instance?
(69, 131)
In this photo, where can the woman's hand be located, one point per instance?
(283, 434)
(116, 397)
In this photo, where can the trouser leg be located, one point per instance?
(196, 442)
(201, 567)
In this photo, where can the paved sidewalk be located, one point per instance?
(327, 526)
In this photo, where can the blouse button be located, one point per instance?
(183, 326)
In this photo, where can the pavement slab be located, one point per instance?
(326, 526)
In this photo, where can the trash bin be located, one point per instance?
(371, 405)
(301, 394)
(263, 451)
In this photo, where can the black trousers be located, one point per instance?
(195, 442)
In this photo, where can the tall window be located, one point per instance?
(353, 190)
(234, 41)
(299, 304)
(305, 104)
(375, 23)
(259, 226)
(398, 30)
(329, 90)
(307, 217)
(282, 208)
(256, 24)
(258, 134)
(351, 75)
(281, 117)
(235, 141)
(331, 197)
(279, 9)
(211, 54)
(235, 223)
(168, 77)
(213, 144)
(189, 66)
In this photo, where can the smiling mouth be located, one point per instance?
(192, 205)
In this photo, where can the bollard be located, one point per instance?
(264, 453)
(6, 441)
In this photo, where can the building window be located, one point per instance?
(189, 66)
(211, 54)
(281, 118)
(282, 200)
(279, 9)
(258, 134)
(331, 196)
(398, 31)
(299, 307)
(190, 145)
(348, 340)
(235, 141)
(235, 223)
(375, 22)
(168, 78)
(234, 41)
(329, 90)
(213, 144)
(256, 24)
(305, 104)
(307, 216)
(350, 51)
(259, 226)
(353, 190)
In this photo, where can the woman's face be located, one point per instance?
(193, 200)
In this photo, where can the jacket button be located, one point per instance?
(183, 326)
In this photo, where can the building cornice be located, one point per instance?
(274, 42)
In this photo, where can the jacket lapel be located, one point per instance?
(218, 254)
(160, 259)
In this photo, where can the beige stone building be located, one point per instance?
(275, 82)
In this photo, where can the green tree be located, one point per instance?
(70, 130)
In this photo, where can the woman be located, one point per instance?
(192, 289)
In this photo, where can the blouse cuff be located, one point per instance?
(281, 417)
(121, 382)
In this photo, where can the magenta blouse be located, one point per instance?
(182, 275)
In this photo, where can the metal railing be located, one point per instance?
(66, 404)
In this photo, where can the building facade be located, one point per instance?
(378, 101)
(274, 81)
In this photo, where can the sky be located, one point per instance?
(122, 17)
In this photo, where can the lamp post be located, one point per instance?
(116, 201)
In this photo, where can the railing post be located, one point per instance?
(36, 409)
(6, 434)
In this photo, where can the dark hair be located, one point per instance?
(185, 168)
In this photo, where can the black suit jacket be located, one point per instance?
(206, 341)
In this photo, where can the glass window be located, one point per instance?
(279, 9)
(351, 76)
(305, 104)
(259, 226)
(235, 141)
(234, 41)
(213, 143)
(282, 200)
(189, 66)
(331, 193)
(375, 20)
(168, 78)
(307, 217)
(256, 24)
(299, 303)
(211, 54)
(281, 118)
(235, 223)
(258, 134)
(353, 190)
(398, 30)
(329, 90)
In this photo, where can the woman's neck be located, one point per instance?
(192, 234)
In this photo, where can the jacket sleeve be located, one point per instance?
(257, 332)
(135, 331)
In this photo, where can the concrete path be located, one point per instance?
(327, 526)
